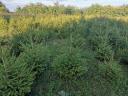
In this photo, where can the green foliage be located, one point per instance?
(106, 10)
(70, 65)
(114, 74)
(103, 79)
(53, 54)
(104, 52)
(61, 9)
(3, 27)
(75, 54)
(37, 57)
(40, 8)
(16, 78)
(111, 71)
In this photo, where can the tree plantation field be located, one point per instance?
(63, 54)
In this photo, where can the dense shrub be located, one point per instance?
(37, 57)
(106, 80)
(30, 37)
(104, 52)
(3, 27)
(16, 78)
(70, 65)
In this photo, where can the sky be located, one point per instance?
(13, 4)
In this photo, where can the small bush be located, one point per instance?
(37, 57)
(16, 78)
(70, 64)
(104, 52)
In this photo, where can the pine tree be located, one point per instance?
(16, 79)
